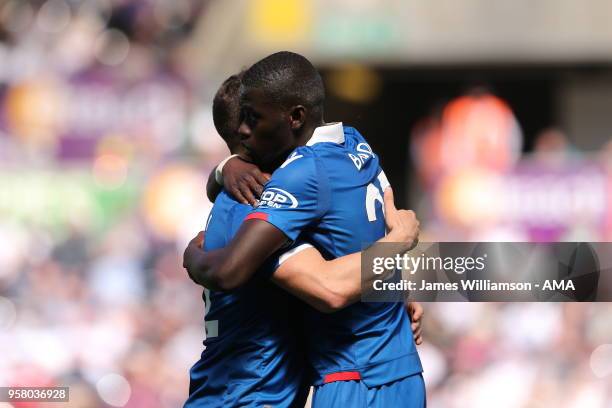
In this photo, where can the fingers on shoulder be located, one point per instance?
(408, 215)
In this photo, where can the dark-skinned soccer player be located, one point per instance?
(231, 371)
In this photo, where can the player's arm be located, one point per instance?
(241, 179)
(213, 188)
(329, 286)
(232, 266)
(277, 220)
(416, 313)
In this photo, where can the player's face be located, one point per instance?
(265, 129)
(234, 139)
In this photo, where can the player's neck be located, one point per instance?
(308, 131)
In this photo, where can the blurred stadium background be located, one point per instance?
(493, 121)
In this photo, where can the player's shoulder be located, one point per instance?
(352, 137)
(225, 200)
(297, 179)
(325, 144)
(226, 203)
(301, 163)
(228, 214)
(350, 131)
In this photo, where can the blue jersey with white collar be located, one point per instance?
(331, 191)
(251, 357)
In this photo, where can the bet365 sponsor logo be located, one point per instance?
(277, 198)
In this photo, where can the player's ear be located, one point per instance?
(297, 117)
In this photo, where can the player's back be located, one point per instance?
(250, 357)
(331, 190)
(374, 338)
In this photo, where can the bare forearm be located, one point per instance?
(203, 266)
(220, 269)
(232, 266)
(310, 288)
(332, 285)
(344, 277)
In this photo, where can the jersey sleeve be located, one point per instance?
(272, 263)
(296, 195)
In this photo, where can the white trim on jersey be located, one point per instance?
(292, 252)
(330, 132)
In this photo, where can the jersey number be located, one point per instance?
(212, 326)
(374, 194)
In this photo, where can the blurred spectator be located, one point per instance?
(552, 147)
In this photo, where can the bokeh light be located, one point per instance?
(54, 16)
(601, 361)
(279, 21)
(35, 111)
(11, 256)
(112, 47)
(355, 83)
(114, 390)
(16, 15)
(174, 198)
(110, 171)
(470, 197)
(8, 313)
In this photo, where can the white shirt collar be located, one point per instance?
(330, 132)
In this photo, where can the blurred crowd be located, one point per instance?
(528, 355)
(102, 183)
(114, 320)
(84, 78)
(475, 183)
(106, 138)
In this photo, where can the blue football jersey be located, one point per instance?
(331, 191)
(250, 356)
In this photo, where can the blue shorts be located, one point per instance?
(408, 392)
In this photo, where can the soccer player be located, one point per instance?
(328, 186)
(251, 357)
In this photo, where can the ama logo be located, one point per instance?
(277, 198)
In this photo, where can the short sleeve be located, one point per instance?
(276, 260)
(296, 195)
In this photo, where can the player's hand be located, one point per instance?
(244, 180)
(402, 225)
(415, 311)
(198, 240)
(196, 244)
